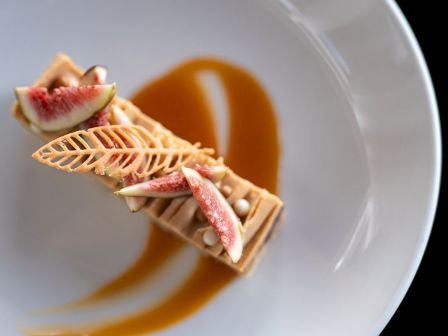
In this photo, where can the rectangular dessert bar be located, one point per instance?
(177, 215)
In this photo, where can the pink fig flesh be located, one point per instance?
(172, 185)
(65, 107)
(94, 76)
(217, 211)
(98, 119)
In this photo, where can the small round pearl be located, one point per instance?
(209, 237)
(200, 216)
(226, 190)
(241, 207)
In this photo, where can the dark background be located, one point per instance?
(420, 313)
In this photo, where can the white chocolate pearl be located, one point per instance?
(241, 207)
(200, 215)
(209, 237)
(226, 190)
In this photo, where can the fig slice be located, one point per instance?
(217, 211)
(99, 118)
(134, 203)
(171, 185)
(94, 75)
(213, 173)
(64, 107)
(168, 186)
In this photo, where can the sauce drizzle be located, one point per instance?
(177, 100)
(159, 249)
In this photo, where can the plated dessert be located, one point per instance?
(180, 185)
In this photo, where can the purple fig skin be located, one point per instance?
(96, 74)
(168, 186)
(64, 80)
(217, 211)
(172, 185)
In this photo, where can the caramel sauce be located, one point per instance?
(159, 248)
(206, 280)
(177, 101)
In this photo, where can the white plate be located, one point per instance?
(360, 171)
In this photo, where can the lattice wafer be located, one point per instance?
(118, 151)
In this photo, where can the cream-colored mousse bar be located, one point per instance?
(258, 209)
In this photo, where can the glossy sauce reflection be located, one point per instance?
(178, 102)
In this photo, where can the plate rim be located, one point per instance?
(377, 324)
(422, 66)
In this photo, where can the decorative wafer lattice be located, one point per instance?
(118, 151)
